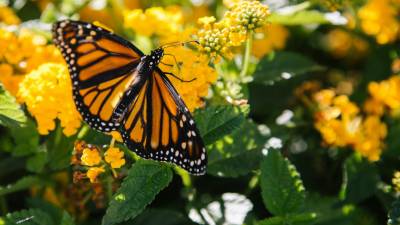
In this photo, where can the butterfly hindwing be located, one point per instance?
(102, 66)
(159, 126)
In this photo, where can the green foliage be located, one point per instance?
(21, 184)
(282, 189)
(299, 18)
(144, 181)
(242, 115)
(159, 216)
(394, 214)
(237, 154)
(28, 217)
(353, 186)
(298, 219)
(283, 65)
(25, 138)
(11, 114)
(215, 122)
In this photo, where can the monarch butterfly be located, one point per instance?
(117, 87)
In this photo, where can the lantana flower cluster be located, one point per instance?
(216, 38)
(380, 19)
(385, 95)
(95, 162)
(341, 124)
(20, 53)
(42, 90)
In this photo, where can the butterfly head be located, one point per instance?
(155, 56)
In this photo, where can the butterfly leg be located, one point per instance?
(176, 62)
(170, 65)
(178, 78)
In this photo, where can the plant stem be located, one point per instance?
(246, 58)
(109, 182)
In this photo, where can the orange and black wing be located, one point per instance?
(102, 66)
(159, 126)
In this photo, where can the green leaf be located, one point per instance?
(282, 189)
(11, 114)
(358, 174)
(237, 165)
(29, 217)
(21, 184)
(305, 17)
(394, 214)
(215, 122)
(26, 139)
(296, 219)
(67, 219)
(144, 181)
(159, 216)
(283, 66)
(236, 154)
(37, 162)
(60, 148)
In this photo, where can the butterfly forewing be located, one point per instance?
(102, 67)
(159, 126)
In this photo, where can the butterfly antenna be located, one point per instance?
(177, 44)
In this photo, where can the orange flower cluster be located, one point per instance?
(340, 123)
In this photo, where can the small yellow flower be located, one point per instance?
(374, 107)
(378, 18)
(93, 173)
(114, 157)
(8, 16)
(90, 157)
(42, 90)
(396, 181)
(387, 92)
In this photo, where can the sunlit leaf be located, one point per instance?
(282, 189)
(11, 114)
(215, 122)
(144, 181)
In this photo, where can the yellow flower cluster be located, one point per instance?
(42, 90)
(20, 54)
(7, 16)
(90, 156)
(340, 124)
(154, 21)
(194, 67)
(341, 43)
(384, 94)
(272, 37)
(243, 17)
(379, 18)
(247, 15)
(396, 181)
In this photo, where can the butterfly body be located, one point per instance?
(118, 88)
